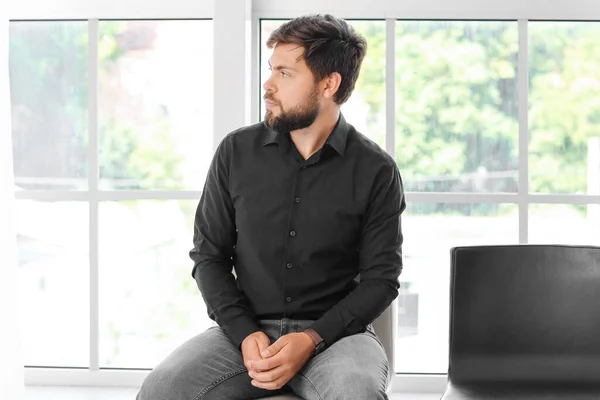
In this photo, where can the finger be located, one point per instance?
(268, 376)
(251, 355)
(278, 384)
(264, 365)
(249, 362)
(262, 347)
(273, 349)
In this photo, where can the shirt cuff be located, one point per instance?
(239, 329)
(332, 330)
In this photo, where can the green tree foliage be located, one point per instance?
(49, 95)
(48, 78)
(456, 103)
(564, 104)
(455, 108)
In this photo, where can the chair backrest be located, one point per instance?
(385, 327)
(526, 314)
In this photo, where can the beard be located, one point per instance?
(299, 117)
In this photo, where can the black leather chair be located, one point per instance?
(524, 323)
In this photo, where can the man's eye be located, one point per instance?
(283, 73)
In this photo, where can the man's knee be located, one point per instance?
(160, 384)
(154, 386)
(359, 385)
(192, 368)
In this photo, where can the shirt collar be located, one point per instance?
(337, 139)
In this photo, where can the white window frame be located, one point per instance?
(236, 103)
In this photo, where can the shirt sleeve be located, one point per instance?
(214, 241)
(380, 262)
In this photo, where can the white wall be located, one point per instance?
(420, 9)
(11, 374)
(89, 9)
(467, 9)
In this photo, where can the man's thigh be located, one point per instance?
(208, 366)
(355, 367)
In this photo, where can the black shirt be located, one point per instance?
(312, 239)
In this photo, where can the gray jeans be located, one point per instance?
(209, 366)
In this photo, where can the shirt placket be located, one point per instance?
(290, 257)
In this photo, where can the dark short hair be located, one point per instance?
(330, 45)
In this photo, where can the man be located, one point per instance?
(307, 211)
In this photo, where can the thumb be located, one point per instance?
(272, 349)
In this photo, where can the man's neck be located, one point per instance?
(310, 139)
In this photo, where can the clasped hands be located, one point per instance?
(271, 366)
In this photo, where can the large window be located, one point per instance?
(113, 136)
(128, 216)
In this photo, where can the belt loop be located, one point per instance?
(280, 328)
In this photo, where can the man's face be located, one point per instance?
(291, 95)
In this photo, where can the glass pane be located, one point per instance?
(53, 256)
(365, 109)
(155, 104)
(564, 224)
(431, 230)
(149, 302)
(564, 107)
(456, 105)
(48, 80)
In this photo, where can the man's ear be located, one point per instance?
(331, 84)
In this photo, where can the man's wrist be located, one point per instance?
(319, 344)
(311, 341)
(316, 338)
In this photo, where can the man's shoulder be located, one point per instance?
(242, 139)
(367, 150)
(248, 132)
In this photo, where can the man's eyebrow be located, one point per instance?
(280, 67)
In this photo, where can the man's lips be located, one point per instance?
(270, 103)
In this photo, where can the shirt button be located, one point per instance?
(297, 199)
(288, 299)
(292, 233)
(289, 265)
